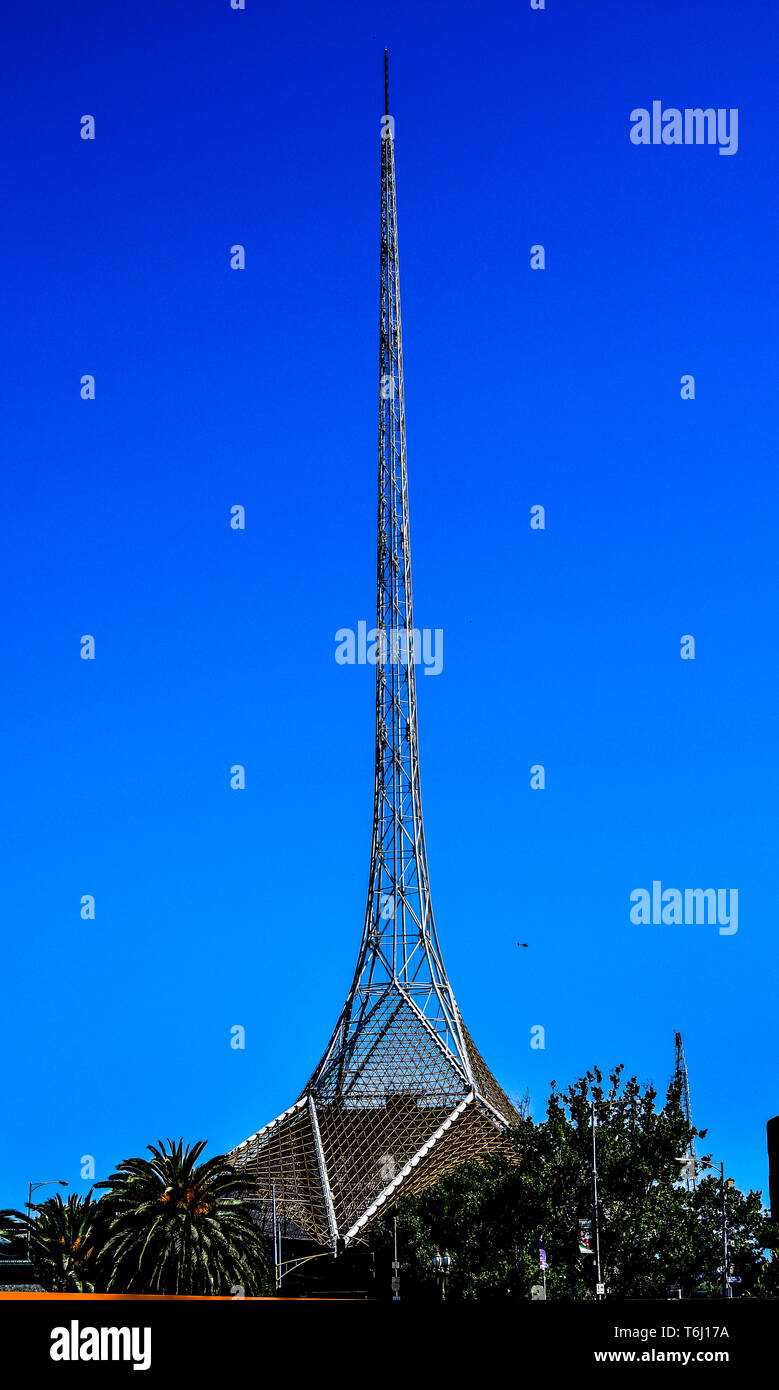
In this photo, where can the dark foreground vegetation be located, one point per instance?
(171, 1224)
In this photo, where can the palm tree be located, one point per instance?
(176, 1226)
(64, 1239)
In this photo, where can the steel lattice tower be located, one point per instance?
(401, 1094)
(680, 1074)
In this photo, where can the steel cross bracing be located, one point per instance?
(399, 936)
(401, 1093)
(680, 1072)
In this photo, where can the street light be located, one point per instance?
(395, 1263)
(50, 1182)
(441, 1266)
(692, 1165)
(598, 1284)
(595, 1209)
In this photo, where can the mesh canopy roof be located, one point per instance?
(392, 1110)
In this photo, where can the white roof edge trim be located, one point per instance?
(500, 1119)
(392, 1186)
(298, 1104)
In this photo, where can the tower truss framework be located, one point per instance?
(680, 1073)
(401, 1094)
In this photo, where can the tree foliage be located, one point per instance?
(179, 1226)
(64, 1241)
(492, 1216)
(167, 1224)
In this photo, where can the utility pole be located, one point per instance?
(50, 1182)
(695, 1164)
(595, 1218)
(599, 1286)
(541, 1259)
(727, 1292)
(395, 1265)
(276, 1244)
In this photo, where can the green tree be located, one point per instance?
(64, 1239)
(179, 1226)
(491, 1215)
(689, 1245)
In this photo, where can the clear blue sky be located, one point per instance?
(216, 387)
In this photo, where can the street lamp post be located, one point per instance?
(595, 1207)
(395, 1263)
(695, 1164)
(595, 1218)
(50, 1182)
(441, 1267)
(727, 1291)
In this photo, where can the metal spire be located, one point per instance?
(680, 1074)
(399, 942)
(401, 1093)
